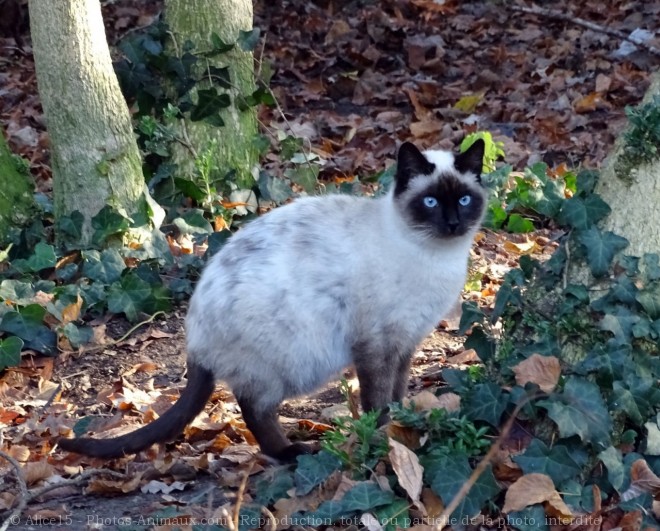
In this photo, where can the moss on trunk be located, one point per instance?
(16, 200)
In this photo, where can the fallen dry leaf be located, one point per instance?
(426, 400)
(98, 485)
(71, 312)
(407, 469)
(467, 356)
(532, 489)
(36, 471)
(527, 247)
(541, 370)
(631, 521)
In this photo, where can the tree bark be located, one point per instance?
(232, 145)
(94, 154)
(16, 200)
(634, 201)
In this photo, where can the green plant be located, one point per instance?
(641, 139)
(493, 150)
(448, 432)
(357, 443)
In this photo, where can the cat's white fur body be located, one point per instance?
(277, 310)
(314, 286)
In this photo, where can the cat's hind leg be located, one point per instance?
(262, 420)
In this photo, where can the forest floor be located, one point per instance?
(355, 80)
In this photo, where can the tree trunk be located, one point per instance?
(634, 199)
(232, 145)
(16, 201)
(94, 154)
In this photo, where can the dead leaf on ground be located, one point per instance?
(426, 400)
(541, 370)
(467, 356)
(532, 489)
(407, 469)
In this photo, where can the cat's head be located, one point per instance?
(438, 193)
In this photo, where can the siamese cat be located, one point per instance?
(317, 285)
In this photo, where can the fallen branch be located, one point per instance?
(23, 492)
(26, 496)
(551, 13)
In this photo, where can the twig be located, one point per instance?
(116, 341)
(443, 520)
(23, 492)
(26, 496)
(75, 481)
(567, 17)
(240, 493)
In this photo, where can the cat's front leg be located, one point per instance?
(377, 375)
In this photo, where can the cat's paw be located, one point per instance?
(289, 453)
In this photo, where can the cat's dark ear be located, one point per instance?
(472, 159)
(410, 163)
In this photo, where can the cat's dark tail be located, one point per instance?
(199, 388)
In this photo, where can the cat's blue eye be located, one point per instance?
(465, 200)
(430, 202)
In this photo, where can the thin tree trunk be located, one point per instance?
(232, 144)
(94, 154)
(634, 199)
(16, 200)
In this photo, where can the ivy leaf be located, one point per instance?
(219, 46)
(25, 322)
(71, 226)
(17, 292)
(597, 209)
(586, 182)
(247, 40)
(486, 402)
(193, 222)
(574, 213)
(362, 497)
(556, 462)
(10, 352)
(625, 290)
(128, 296)
(581, 410)
(42, 258)
(273, 189)
(393, 516)
(651, 266)
(448, 473)
(45, 342)
(601, 248)
(650, 301)
(312, 470)
(482, 344)
(78, 335)
(220, 76)
(105, 267)
(209, 103)
(273, 488)
(470, 314)
(189, 189)
(366, 495)
(620, 322)
(304, 175)
(519, 225)
(612, 460)
(108, 222)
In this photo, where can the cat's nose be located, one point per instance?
(452, 226)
